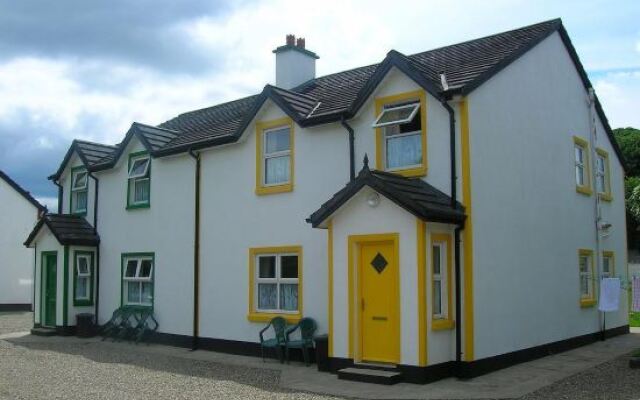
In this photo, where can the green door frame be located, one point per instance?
(44, 265)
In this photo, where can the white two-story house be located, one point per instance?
(444, 213)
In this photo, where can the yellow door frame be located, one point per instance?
(354, 247)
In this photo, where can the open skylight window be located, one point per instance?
(139, 168)
(80, 181)
(396, 115)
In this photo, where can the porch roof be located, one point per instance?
(412, 194)
(68, 230)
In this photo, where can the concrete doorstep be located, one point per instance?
(512, 382)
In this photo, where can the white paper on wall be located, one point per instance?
(609, 294)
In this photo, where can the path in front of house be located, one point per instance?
(71, 368)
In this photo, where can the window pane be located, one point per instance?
(139, 167)
(80, 180)
(83, 265)
(289, 297)
(145, 268)
(437, 297)
(141, 190)
(82, 287)
(601, 184)
(130, 271)
(579, 175)
(579, 155)
(80, 203)
(289, 267)
(412, 126)
(606, 266)
(436, 259)
(267, 296)
(133, 292)
(267, 266)
(276, 170)
(277, 140)
(398, 113)
(584, 264)
(404, 151)
(584, 285)
(147, 292)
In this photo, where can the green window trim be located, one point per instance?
(138, 205)
(83, 302)
(125, 256)
(74, 171)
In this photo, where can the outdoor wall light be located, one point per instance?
(373, 199)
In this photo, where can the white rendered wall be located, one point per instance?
(294, 68)
(166, 228)
(528, 220)
(17, 218)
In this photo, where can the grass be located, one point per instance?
(634, 319)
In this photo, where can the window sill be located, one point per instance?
(585, 303)
(410, 172)
(442, 324)
(80, 213)
(605, 196)
(82, 303)
(584, 190)
(262, 190)
(138, 206)
(266, 317)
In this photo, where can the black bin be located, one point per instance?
(85, 326)
(322, 352)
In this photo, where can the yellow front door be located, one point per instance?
(378, 271)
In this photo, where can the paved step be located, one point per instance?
(43, 332)
(368, 375)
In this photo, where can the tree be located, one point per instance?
(629, 142)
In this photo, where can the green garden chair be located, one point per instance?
(307, 327)
(278, 341)
(144, 324)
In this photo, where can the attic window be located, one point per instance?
(139, 168)
(396, 115)
(80, 180)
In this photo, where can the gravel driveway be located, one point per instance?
(66, 368)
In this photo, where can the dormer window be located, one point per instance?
(139, 188)
(401, 134)
(79, 184)
(274, 156)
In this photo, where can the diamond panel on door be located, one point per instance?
(379, 263)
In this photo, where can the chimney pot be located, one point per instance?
(300, 43)
(291, 39)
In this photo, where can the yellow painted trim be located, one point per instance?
(255, 316)
(588, 301)
(467, 234)
(606, 196)
(330, 284)
(586, 188)
(353, 243)
(422, 291)
(380, 102)
(261, 126)
(444, 323)
(612, 255)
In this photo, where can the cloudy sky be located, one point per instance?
(87, 69)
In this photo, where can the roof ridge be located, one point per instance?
(96, 143)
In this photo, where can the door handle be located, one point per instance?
(379, 318)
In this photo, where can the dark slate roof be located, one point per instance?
(68, 230)
(90, 153)
(22, 192)
(412, 194)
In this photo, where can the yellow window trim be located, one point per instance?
(330, 285)
(353, 243)
(586, 188)
(467, 233)
(606, 196)
(261, 126)
(443, 323)
(380, 102)
(422, 292)
(588, 301)
(256, 316)
(612, 256)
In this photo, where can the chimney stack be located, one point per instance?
(294, 63)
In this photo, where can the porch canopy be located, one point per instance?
(67, 229)
(412, 194)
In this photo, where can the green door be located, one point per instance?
(50, 289)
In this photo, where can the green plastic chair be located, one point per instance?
(307, 327)
(278, 341)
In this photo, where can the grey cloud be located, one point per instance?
(142, 32)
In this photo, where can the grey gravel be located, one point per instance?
(15, 322)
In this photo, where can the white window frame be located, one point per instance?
(415, 106)
(146, 167)
(76, 190)
(442, 278)
(601, 161)
(580, 164)
(137, 279)
(608, 274)
(84, 275)
(74, 187)
(275, 154)
(277, 281)
(589, 276)
(137, 178)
